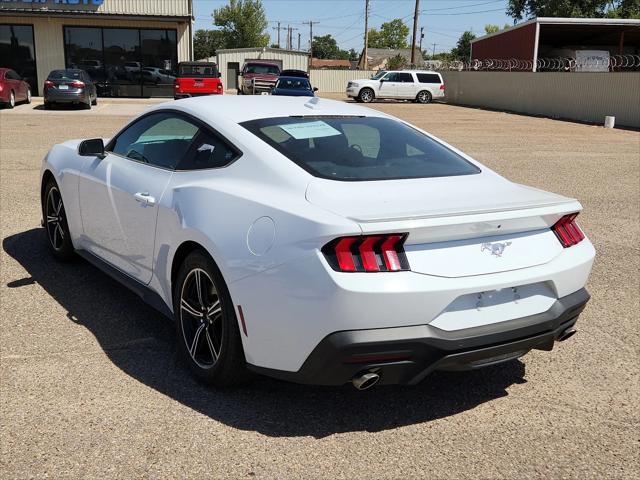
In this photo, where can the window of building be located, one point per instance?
(125, 62)
(18, 52)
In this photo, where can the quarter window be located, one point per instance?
(429, 78)
(208, 151)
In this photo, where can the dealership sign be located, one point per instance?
(57, 2)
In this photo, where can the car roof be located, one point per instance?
(287, 77)
(243, 108)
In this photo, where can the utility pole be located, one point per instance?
(434, 51)
(278, 28)
(290, 37)
(299, 34)
(365, 63)
(311, 23)
(421, 37)
(415, 31)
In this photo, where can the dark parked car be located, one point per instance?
(70, 86)
(13, 88)
(294, 73)
(293, 87)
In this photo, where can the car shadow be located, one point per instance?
(140, 342)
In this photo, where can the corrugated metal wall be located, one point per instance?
(49, 37)
(518, 43)
(587, 97)
(174, 8)
(336, 80)
(292, 60)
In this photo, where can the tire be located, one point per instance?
(423, 96)
(12, 100)
(28, 100)
(55, 222)
(47, 105)
(366, 95)
(210, 343)
(87, 106)
(95, 101)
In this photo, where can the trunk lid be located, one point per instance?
(457, 226)
(197, 85)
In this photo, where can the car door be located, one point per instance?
(15, 84)
(120, 194)
(406, 85)
(388, 86)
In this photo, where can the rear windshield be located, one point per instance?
(359, 148)
(263, 69)
(199, 71)
(66, 75)
(294, 83)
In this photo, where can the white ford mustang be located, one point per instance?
(317, 241)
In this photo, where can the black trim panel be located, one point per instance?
(423, 348)
(150, 297)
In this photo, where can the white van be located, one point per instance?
(421, 86)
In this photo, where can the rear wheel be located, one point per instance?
(12, 100)
(366, 95)
(206, 326)
(28, 96)
(424, 97)
(87, 106)
(55, 222)
(95, 101)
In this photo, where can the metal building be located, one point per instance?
(230, 61)
(130, 48)
(559, 37)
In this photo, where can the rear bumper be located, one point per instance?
(67, 97)
(178, 96)
(406, 355)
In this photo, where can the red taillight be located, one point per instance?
(568, 231)
(369, 253)
(48, 84)
(219, 86)
(442, 87)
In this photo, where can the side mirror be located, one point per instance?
(381, 81)
(315, 89)
(91, 148)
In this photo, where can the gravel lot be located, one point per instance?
(90, 386)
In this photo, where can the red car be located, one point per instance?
(13, 88)
(196, 79)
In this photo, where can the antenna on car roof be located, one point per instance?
(313, 103)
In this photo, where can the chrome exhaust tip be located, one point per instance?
(567, 334)
(365, 380)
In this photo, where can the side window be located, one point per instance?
(160, 139)
(208, 151)
(405, 77)
(11, 75)
(391, 77)
(429, 78)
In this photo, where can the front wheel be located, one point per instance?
(28, 96)
(366, 95)
(55, 222)
(424, 97)
(206, 326)
(12, 100)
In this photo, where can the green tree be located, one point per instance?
(491, 29)
(243, 24)
(392, 34)
(353, 55)
(327, 47)
(519, 9)
(206, 42)
(462, 51)
(397, 62)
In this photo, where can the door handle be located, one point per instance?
(145, 198)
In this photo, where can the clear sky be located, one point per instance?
(443, 20)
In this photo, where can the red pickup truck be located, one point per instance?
(258, 77)
(197, 78)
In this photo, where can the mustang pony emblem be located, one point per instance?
(495, 248)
